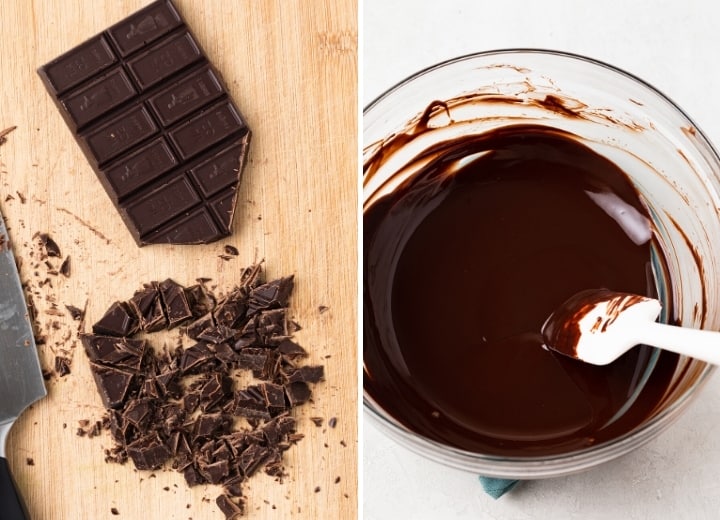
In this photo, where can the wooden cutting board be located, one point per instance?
(291, 66)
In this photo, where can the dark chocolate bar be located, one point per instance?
(156, 124)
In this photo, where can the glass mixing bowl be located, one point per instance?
(673, 166)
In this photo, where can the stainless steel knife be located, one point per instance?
(21, 381)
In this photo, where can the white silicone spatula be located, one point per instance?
(598, 326)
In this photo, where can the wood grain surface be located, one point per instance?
(291, 66)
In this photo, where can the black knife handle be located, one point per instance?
(12, 506)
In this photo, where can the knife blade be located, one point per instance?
(21, 381)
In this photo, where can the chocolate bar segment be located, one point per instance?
(112, 90)
(144, 27)
(156, 123)
(164, 60)
(83, 63)
(184, 97)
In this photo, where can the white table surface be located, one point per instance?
(674, 45)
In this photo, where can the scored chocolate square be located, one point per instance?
(157, 125)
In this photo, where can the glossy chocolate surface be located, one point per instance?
(463, 263)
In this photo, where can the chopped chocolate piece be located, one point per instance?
(269, 324)
(216, 334)
(51, 247)
(230, 509)
(249, 403)
(168, 383)
(75, 313)
(192, 477)
(148, 452)
(274, 431)
(62, 366)
(119, 352)
(214, 391)
(225, 353)
(271, 295)
(199, 301)
(118, 320)
(231, 250)
(191, 402)
(297, 393)
(65, 267)
(234, 488)
(332, 422)
(172, 417)
(253, 359)
(290, 349)
(252, 458)
(274, 396)
(113, 384)
(138, 412)
(148, 307)
(215, 472)
(274, 466)
(198, 326)
(231, 312)
(150, 389)
(307, 374)
(156, 123)
(195, 358)
(208, 425)
(174, 298)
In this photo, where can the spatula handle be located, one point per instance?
(12, 506)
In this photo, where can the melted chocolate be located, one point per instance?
(465, 261)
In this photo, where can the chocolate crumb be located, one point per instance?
(114, 511)
(21, 197)
(318, 421)
(337, 480)
(51, 247)
(75, 312)
(29, 461)
(323, 309)
(317, 489)
(332, 422)
(4, 134)
(62, 366)
(231, 250)
(65, 267)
